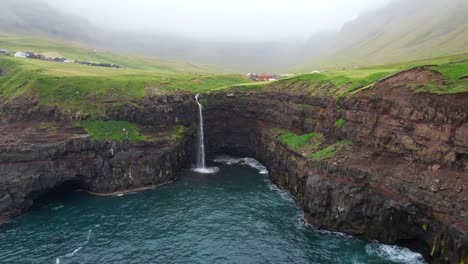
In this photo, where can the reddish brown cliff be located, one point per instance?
(399, 175)
(402, 178)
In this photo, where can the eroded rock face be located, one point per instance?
(100, 167)
(391, 204)
(156, 111)
(403, 180)
(32, 161)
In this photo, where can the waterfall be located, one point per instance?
(201, 162)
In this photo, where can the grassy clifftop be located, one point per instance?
(81, 88)
(345, 82)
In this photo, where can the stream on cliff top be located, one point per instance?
(234, 216)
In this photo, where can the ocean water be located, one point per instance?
(234, 216)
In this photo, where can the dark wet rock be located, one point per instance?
(100, 167)
(156, 111)
(402, 181)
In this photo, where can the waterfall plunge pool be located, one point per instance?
(234, 216)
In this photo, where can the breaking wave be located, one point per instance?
(395, 253)
(251, 162)
(71, 254)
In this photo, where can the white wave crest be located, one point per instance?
(58, 207)
(251, 162)
(71, 254)
(395, 253)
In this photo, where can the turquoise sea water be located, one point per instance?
(234, 216)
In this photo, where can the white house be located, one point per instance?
(315, 71)
(20, 54)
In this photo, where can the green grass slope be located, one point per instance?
(112, 130)
(81, 88)
(76, 51)
(346, 82)
(401, 31)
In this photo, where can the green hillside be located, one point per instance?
(401, 31)
(86, 89)
(346, 82)
(76, 51)
(81, 88)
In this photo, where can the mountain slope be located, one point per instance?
(402, 31)
(36, 18)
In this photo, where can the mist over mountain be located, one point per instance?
(241, 56)
(30, 17)
(402, 30)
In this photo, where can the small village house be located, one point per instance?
(266, 78)
(20, 54)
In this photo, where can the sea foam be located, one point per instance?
(395, 253)
(76, 250)
(251, 162)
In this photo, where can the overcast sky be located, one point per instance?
(221, 19)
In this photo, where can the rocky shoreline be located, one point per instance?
(402, 179)
(29, 171)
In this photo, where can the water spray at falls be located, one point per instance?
(201, 161)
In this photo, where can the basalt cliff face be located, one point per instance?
(35, 161)
(400, 178)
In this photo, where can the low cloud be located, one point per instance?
(240, 20)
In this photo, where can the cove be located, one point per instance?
(234, 216)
